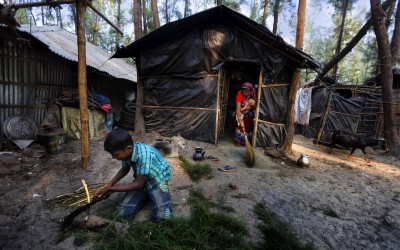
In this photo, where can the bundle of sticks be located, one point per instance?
(76, 198)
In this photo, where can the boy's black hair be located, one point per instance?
(117, 139)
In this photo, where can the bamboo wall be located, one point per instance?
(371, 114)
(30, 75)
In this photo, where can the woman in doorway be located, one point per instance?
(245, 104)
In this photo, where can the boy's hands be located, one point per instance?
(104, 191)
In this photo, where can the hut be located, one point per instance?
(192, 68)
(352, 108)
(38, 63)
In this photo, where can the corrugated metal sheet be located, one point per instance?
(63, 43)
(30, 75)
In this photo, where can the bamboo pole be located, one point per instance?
(82, 82)
(86, 190)
(177, 108)
(217, 110)
(271, 123)
(275, 85)
(260, 82)
(327, 108)
(340, 113)
(140, 126)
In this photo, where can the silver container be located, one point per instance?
(304, 160)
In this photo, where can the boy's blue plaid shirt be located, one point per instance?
(146, 160)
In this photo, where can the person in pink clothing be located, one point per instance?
(245, 104)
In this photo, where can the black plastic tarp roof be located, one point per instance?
(218, 15)
(180, 64)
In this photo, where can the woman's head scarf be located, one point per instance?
(248, 85)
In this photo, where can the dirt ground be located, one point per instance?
(335, 203)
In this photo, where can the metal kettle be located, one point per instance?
(198, 154)
(304, 160)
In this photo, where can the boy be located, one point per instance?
(151, 176)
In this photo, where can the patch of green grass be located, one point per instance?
(210, 226)
(196, 171)
(277, 234)
(203, 230)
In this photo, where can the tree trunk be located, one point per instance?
(137, 19)
(166, 12)
(82, 84)
(154, 10)
(43, 20)
(144, 17)
(265, 13)
(389, 15)
(276, 15)
(74, 14)
(186, 12)
(350, 45)
(289, 125)
(218, 2)
(95, 28)
(33, 17)
(340, 37)
(387, 24)
(119, 17)
(394, 45)
(60, 16)
(385, 57)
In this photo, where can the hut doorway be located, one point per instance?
(230, 79)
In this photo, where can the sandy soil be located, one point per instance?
(336, 203)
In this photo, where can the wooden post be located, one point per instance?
(289, 125)
(259, 89)
(82, 81)
(217, 111)
(325, 116)
(140, 128)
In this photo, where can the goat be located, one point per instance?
(354, 142)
